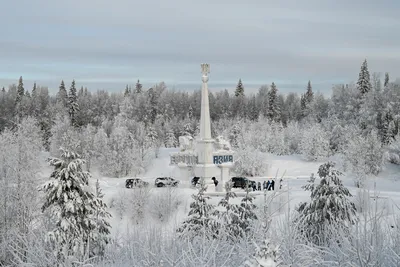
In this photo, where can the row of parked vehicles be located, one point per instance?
(159, 182)
(238, 182)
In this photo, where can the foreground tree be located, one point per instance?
(201, 221)
(330, 206)
(78, 212)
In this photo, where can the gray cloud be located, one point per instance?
(113, 43)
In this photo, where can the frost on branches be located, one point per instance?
(201, 221)
(229, 219)
(314, 145)
(365, 155)
(330, 206)
(80, 216)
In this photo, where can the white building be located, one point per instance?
(205, 157)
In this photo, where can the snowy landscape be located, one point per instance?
(335, 161)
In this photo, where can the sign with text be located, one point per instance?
(187, 159)
(222, 159)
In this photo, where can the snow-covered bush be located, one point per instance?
(314, 145)
(163, 204)
(393, 153)
(250, 162)
(292, 135)
(365, 155)
(138, 199)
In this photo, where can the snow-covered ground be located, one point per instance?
(293, 169)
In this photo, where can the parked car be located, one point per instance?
(135, 182)
(241, 182)
(165, 181)
(195, 180)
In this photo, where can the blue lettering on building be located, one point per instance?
(222, 159)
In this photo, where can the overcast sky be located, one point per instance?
(105, 44)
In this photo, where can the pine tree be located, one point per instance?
(190, 113)
(364, 83)
(239, 89)
(229, 219)
(252, 108)
(62, 95)
(20, 90)
(234, 135)
(201, 221)
(27, 94)
(273, 109)
(126, 93)
(3, 90)
(99, 237)
(330, 206)
(34, 93)
(170, 139)
(309, 94)
(247, 214)
(80, 216)
(138, 87)
(386, 80)
(73, 104)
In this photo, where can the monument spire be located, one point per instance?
(205, 122)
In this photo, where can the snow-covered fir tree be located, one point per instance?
(386, 83)
(138, 87)
(364, 83)
(99, 237)
(273, 108)
(247, 213)
(239, 89)
(235, 135)
(170, 139)
(229, 218)
(80, 216)
(201, 221)
(73, 104)
(330, 206)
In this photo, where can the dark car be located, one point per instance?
(241, 182)
(166, 181)
(195, 180)
(135, 182)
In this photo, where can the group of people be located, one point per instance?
(267, 185)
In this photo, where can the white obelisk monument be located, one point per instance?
(205, 144)
(207, 158)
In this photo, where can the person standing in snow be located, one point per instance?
(264, 185)
(268, 185)
(215, 181)
(259, 186)
(272, 185)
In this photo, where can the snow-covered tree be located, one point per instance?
(315, 143)
(239, 89)
(138, 87)
(386, 83)
(247, 214)
(201, 221)
(273, 107)
(170, 139)
(99, 237)
(249, 161)
(62, 95)
(364, 83)
(393, 153)
(365, 156)
(330, 205)
(75, 209)
(73, 104)
(229, 218)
